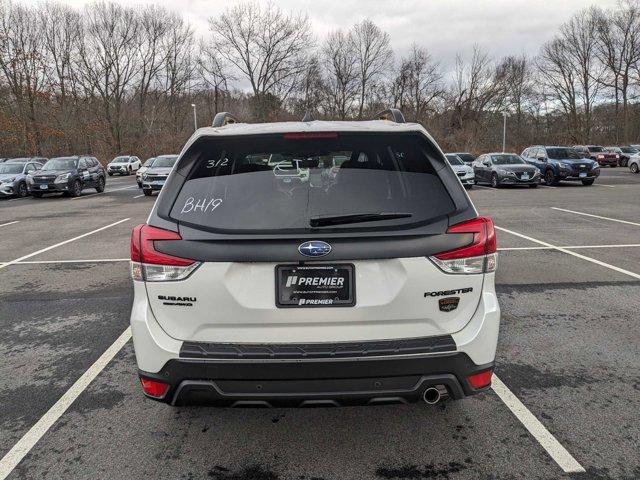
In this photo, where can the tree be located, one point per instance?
(417, 83)
(341, 73)
(23, 64)
(373, 55)
(572, 73)
(267, 46)
(108, 61)
(618, 49)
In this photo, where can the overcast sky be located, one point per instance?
(445, 27)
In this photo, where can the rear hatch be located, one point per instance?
(322, 253)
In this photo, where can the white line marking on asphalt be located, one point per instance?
(138, 196)
(106, 191)
(9, 223)
(604, 185)
(100, 260)
(546, 186)
(24, 257)
(569, 252)
(35, 433)
(553, 447)
(596, 216)
(570, 247)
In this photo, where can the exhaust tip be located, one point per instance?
(435, 394)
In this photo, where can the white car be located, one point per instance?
(145, 166)
(371, 288)
(123, 165)
(464, 171)
(634, 164)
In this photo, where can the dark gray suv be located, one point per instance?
(68, 175)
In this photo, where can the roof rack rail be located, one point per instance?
(223, 118)
(392, 114)
(308, 116)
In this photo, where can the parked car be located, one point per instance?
(375, 287)
(145, 166)
(155, 176)
(67, 175)
(634, 164)
(467, 158)
(463, 171)
(624, 153)
(599, 154)
(13, 175)
(499, 169)
(561, 163)
(123, 165)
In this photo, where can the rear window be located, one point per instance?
(273, 183)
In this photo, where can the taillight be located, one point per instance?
(481, 379)
(154, 388)
(478, 257)
(149, 264)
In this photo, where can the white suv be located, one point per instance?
(370, 286)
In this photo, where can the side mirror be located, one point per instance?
(486, 163)
(542, 159)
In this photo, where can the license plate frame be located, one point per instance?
(582, 174)
(293, 295)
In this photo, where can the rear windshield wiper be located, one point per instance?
(321, 221)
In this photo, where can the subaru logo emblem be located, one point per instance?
(314, 248)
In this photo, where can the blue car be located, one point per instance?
(561, 163)
(13, 175)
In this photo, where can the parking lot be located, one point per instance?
(569, 358)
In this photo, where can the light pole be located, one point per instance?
(195, 117)
(504, 131)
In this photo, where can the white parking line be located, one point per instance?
(106, 191)
(570, 247)
(604, 185)
(596, 216)
(24, 257)
(553, 447)
(138, 196)
(9, 223)
(100, 260)
(35, 433)
(569, 252)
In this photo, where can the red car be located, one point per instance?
(597, 153)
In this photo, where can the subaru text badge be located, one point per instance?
(314, 248)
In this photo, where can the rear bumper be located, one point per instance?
(331, 374)
(322, 382)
